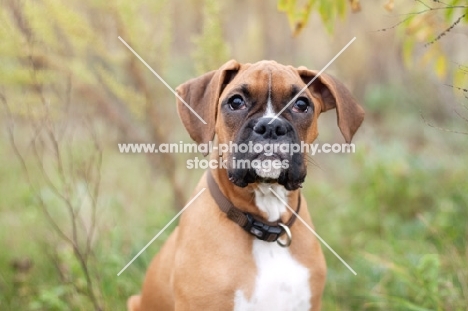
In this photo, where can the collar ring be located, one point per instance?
(288, 236)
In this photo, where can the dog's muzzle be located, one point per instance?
(272, 164)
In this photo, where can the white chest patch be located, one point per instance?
(281, 284)
(268, 202)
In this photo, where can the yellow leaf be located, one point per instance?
(355, 6)
(283, 5)
(427, 57)
(460, 80)
(389, 5)
(440, 67)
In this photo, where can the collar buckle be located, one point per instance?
(261, 230)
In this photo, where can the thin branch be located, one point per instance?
(458, 88)
(429, 9)
(424, 4)
(460, 115)
(25, 169)
(441, 128)
(443, 33)
(395, 25)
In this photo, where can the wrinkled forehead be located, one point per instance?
(266, 76)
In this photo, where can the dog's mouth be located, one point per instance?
(282, 169)
(269, 157)
(254, 168)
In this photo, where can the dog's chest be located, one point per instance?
(281, 283)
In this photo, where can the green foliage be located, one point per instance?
(299, 13)
(51, 299)
(211, 51)
(417, 285)
(51, 44)
(405, 234)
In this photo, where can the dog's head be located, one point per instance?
(239, 103)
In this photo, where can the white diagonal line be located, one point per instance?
(161, 79)
(313, 231)
(160, 232)
(318, 75)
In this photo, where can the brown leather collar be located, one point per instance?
(263, 230)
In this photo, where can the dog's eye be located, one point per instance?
(236, 103)
(301, 105)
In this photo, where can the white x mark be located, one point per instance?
(160, 232)
(313, 231)
(308, 84)
(161, 79)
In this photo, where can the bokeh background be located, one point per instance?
(74, 211)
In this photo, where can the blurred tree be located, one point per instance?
(211, 50)
(54, 53)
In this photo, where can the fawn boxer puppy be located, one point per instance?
(239, 246)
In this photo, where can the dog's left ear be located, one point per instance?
(334, 94)
(201, 95)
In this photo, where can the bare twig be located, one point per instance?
(443, 33)
(24, 166)
(441, 128)
(460, 115)
(458, 88)
(427, 10)
(45, 135)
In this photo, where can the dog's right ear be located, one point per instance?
(200, 96)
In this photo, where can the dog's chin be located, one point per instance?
(244, 177)
(291, 177)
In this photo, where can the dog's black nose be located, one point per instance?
(274, 130)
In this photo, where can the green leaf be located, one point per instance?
(302, 17)
(341, 8)
(408, 47)
(326, 13)
(285, 5)
(428, 274)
